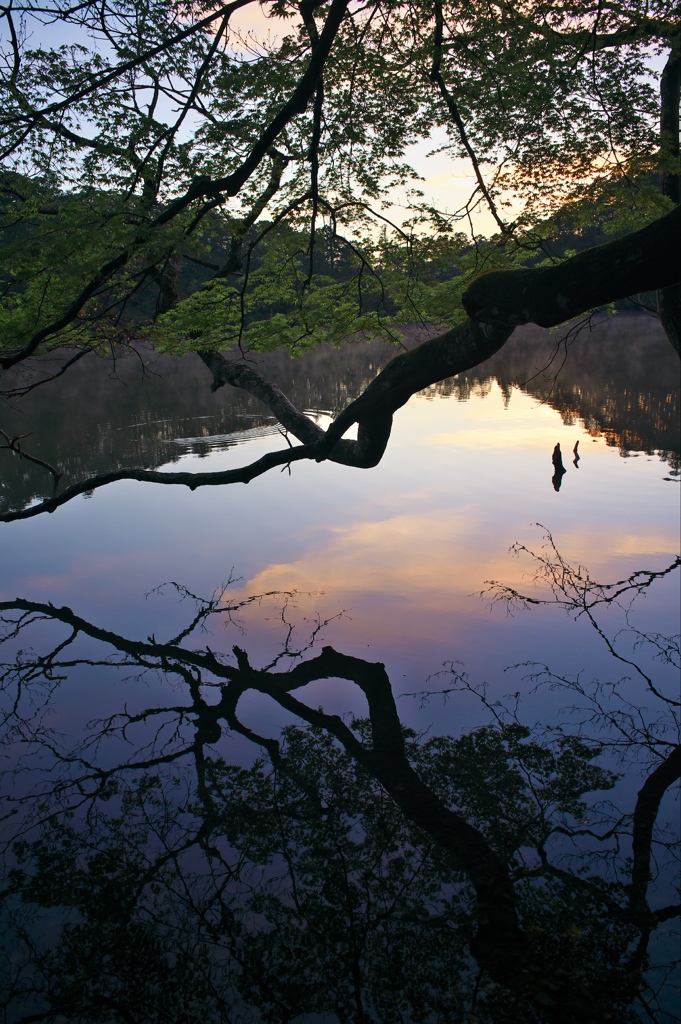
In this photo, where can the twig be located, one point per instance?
(14, 446)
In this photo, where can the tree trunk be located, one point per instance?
(669, 299)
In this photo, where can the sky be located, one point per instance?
(447, 182)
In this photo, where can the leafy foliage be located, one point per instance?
(140, 136)
(302, 890)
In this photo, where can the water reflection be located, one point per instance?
(559, 469)
(620, 380)
(357, 870)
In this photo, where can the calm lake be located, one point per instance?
(389, 565)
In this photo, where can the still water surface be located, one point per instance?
(403, 549)
(385, 565)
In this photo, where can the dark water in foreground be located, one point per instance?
(168, 874)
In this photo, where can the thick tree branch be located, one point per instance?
(191, 480)
(670, 94)
(669, 299)
(644, 260)
(496, 301)
(296, 104)
(459, 349)
(364, 453)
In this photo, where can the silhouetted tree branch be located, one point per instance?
(502, 944)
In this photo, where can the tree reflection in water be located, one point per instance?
(624, 387)
(356, 870)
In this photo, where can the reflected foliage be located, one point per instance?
(309, 893)
(354, 869)
(623, 388)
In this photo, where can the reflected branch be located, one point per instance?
(529, 790)
(14, 446)
(571, 588)
(645, 815)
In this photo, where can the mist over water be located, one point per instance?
(618, 378)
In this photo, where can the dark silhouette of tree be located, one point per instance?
(273, 190)
(358, 869)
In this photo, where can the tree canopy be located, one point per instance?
(169, 175)
(156, 134)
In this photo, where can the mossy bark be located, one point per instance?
(645, 260)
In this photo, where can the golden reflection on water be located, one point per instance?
(403, 549)
(420, 548)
